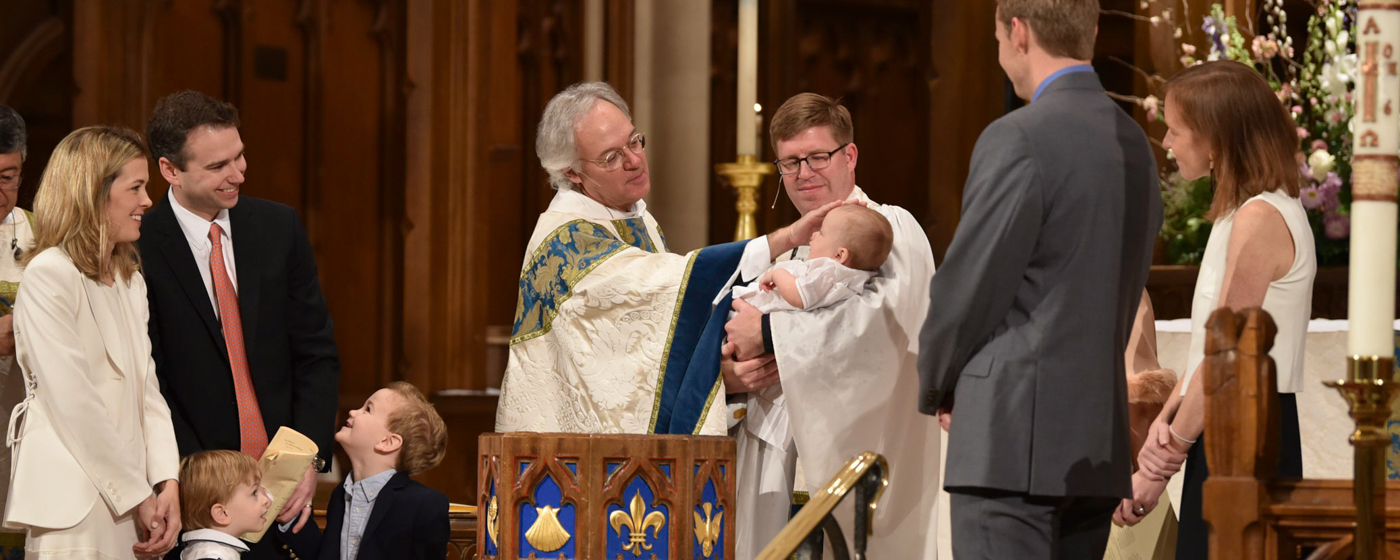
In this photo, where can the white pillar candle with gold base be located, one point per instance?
(1370, 384)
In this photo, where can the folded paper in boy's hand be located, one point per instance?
(283, 465)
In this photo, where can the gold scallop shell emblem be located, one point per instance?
(546, 534)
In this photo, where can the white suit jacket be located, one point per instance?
(93, 423)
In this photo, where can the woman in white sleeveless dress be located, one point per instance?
(95, 459)
(1224, 121)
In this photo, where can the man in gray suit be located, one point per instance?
(1032, 308)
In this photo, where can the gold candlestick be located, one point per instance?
(1368, 389)
(746, 176)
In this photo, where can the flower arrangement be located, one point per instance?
(1317, 93)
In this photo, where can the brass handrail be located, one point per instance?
(868, 473)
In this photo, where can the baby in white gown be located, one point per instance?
(848, 250)
(843, 256)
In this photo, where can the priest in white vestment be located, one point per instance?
(846, 371)
(613, 334)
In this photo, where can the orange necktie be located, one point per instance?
(252, 433)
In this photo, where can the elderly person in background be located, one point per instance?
(16, 227)
(612, 333)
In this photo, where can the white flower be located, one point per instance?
(1336, 75)
(1150, 104)
(1321, 163)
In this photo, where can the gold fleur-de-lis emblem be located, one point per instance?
(637, 522)
(546, 534)
(493, 516)
(707, 529)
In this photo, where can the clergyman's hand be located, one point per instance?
(800, 232)
(745, 331)
(748, 375)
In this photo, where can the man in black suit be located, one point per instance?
(239, 330)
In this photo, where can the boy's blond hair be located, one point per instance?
(211, 477)
(422, 429)
(866, 234)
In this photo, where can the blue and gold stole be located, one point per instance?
(689, 378)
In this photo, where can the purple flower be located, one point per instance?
(1331, 185)
(1336, 226)
(1312, 197)
(1215, 29)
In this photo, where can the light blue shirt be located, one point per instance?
(1067, 70)
(359, 501)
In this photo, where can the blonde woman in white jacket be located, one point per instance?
(95, 460)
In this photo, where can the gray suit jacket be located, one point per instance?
(1032, 308)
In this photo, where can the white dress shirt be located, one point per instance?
(359, 502)
(206, 544)
(196, 231)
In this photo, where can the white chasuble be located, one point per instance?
(613, 334)
(849, 385)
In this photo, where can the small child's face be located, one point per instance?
(826, 242)
(247, 509)
(368, 425)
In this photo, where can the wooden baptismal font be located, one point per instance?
(608, 496)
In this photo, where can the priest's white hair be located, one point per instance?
(554, 140)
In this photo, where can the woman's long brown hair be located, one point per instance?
(1253, 141)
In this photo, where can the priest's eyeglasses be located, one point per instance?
(9, 182)
(612, 159)
(819, 160)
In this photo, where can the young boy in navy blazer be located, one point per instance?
(379, 513)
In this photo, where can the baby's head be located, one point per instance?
(855, 236)
(398, 425)
(222, 490)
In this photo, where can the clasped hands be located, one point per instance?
(158, 521)
(1161, 457)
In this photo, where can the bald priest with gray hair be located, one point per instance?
(613, 333)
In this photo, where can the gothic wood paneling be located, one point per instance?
(319, 85)
(36, 80)
(966, 95)
(875, 56)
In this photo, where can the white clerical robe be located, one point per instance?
(601, 308)
(848, 384)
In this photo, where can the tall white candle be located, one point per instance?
(1371, 286)
(748, 76)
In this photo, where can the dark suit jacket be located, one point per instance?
(286, 329)
(408, 521)
(1032, 308)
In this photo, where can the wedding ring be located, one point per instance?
(307, 506)
(1140, 510)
